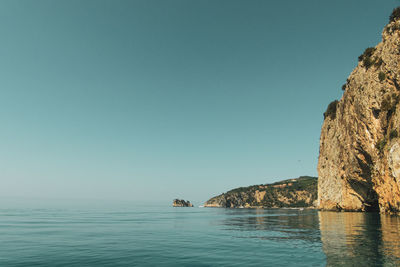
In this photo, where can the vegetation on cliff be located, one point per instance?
(300, 192)
(395, 14)
(359, 160)
(331, 110)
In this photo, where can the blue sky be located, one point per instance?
(151, 100)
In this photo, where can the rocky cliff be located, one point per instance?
(359, 160)
(300, 192)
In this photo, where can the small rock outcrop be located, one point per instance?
(359, 159)
(181, 203)
(300, 192)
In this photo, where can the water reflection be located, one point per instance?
(347, 239)
(391, 235)
(274, 223)
(363, 239)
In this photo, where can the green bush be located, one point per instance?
(367, 53)
(395, 14)
(368, 62)
(366, 57)
(393, 134)
(378, 62)
(380, 145)
(345, 85)
(331, 110)
(381, 76)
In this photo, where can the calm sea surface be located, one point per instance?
(166, 236)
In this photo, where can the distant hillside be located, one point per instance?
(299, 192)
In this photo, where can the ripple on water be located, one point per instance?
(196, 237)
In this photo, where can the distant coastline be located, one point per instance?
(294, 193)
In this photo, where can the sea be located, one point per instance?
(160, 235)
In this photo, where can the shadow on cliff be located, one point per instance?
(363, 187)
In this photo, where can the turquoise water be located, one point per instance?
(166, 236)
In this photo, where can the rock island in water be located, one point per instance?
(181, 203)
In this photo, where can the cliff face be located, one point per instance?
(359, 160)
(300, 192)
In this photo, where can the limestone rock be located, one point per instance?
(359, 159)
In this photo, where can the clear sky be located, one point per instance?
(150, 100)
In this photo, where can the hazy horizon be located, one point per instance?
(156, 100)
